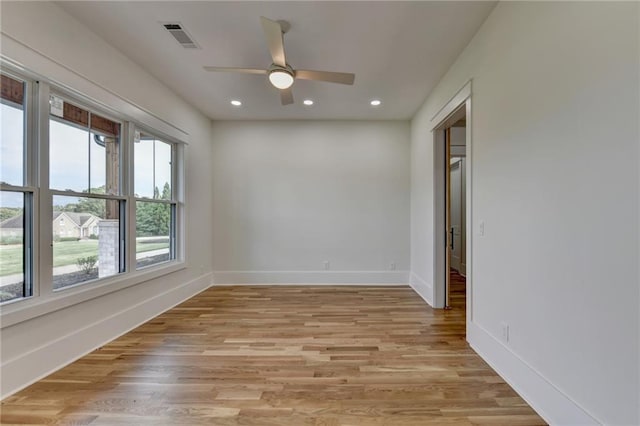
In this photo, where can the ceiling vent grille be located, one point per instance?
(181, 36)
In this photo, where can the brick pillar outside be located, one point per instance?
(108, 247)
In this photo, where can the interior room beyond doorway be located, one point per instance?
(455, 139)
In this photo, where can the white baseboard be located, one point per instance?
(28, 368)
(423, 288)
(553, 405)
(312, 277)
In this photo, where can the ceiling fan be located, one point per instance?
(280, 73)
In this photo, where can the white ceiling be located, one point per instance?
(398, 51)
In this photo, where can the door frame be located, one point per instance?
(459, 105)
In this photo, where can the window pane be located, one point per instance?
(163, 169)
(12, 132)
(68, 157)
(86, 240)
(152, 169)
(143, 168)
(12, 246)
(153, 233)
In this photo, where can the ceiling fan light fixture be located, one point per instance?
(280, 73)
(281, 79)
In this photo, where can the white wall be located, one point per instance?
(46, 40)
(555, 179)
(289, 195)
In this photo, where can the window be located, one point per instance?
(101, 192)
(155, 202)
(85, 182)
(16, 197)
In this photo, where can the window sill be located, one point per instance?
(24, 310)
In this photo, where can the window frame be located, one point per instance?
(43, 299)
(176, 230)
(29, 187)
(121, 197)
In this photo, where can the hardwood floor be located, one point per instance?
(282, 355)
(458, 291)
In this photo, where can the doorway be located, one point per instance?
(455, 140)
(453, 288)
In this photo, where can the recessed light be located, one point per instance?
(236, 103)
(375, 102)
(308, 102)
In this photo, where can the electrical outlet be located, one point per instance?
(481, 228)
(392, 266)
(505, 332)
(326, 265)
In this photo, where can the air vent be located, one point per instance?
(181, 36)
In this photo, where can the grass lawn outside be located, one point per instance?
(11, 260)
(64, 253)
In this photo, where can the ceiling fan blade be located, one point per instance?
(286, 96)
(332, 77)
(231, 69)
(275, 42)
